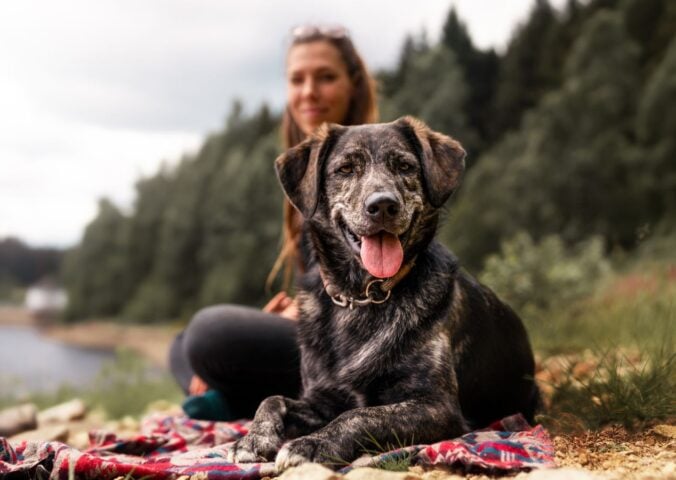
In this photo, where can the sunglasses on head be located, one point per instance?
(309, 31)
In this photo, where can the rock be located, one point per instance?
(165, 407)
(58, 433)
(565, 473)
(18, 419)
(79, 440)
(668, 431)
(310, 471)
(64, 412)
(365, 473)
(438, 474)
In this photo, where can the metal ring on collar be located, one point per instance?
(368, 294)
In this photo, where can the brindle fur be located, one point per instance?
(442, 356)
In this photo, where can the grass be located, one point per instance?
(396, 460)
(620, 391)
(612, 317)
(629, 327)
(124, 386)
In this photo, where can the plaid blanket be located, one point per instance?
(171, 446)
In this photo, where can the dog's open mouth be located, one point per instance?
(381, 253)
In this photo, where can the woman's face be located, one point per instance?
(319, 87)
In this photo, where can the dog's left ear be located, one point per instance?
(299, 168)
(442, 158)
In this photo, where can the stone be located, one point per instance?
(52, 433)
(71, 410)
(439, 474)
(366, 473)
(309, 471)
(18, 419)
(565, 473)
(668, 431)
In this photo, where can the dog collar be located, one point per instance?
(377, 290)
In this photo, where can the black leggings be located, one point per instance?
(244, 353)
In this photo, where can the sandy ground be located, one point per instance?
(150, 341)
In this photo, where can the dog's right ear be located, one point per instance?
(299, 169)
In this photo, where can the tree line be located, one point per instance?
(22, 265)
(571, 131)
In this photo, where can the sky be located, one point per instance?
(97, 94)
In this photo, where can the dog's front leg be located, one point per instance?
(341, 440)
(277, 419)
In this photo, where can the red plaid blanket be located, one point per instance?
(169, 447)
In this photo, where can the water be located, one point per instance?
(30, 362)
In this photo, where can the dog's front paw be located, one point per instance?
(253, 448)
(304, 450)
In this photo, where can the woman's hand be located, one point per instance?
(283, 305)
(197, 386)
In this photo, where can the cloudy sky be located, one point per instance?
(95, 94)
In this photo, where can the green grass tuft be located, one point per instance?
(398, 461)
(620, 391)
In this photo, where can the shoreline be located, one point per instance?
(152, 342)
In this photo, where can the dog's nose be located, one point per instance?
(381, 205)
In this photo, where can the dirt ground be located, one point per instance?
(621, 454)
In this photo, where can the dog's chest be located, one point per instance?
(349, 346)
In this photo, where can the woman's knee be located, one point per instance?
(219, 331)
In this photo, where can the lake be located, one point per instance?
(30, 362)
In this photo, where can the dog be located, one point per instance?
(397, 342)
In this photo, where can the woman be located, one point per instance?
(229, 357)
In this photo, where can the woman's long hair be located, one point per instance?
(362, 109)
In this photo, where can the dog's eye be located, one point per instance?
(404, 167)
(346, 169)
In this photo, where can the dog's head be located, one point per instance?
(377, 188)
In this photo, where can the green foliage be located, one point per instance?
(570, 168)
(615, 315)
(21, 265)
(656, 129)
(205, 231)
(525, 70)
(625, 329)
(434, 90)
(480, 71)
(241, 223)
(96, 272)
(126, 386)
(9, 289)
(152, 301)
(533, 277)
(396, 458)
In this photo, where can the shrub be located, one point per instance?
(533, 278)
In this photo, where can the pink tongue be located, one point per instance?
(382, 254)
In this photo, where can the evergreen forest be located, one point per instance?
(571, 139)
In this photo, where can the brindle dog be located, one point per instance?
(397, 342)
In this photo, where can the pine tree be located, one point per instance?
(96, 272)
(522, 79)
(480, 74)
(569, 169)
